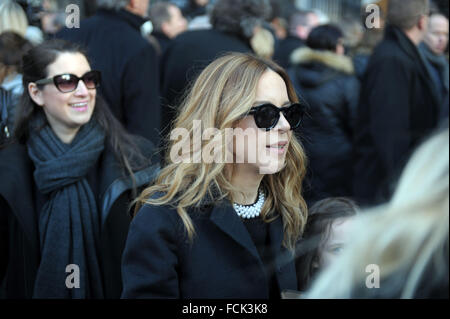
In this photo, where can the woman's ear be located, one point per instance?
(35, 94)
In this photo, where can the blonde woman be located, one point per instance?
(225, 228)
(400, 250)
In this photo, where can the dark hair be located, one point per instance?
(321, 216)
(12, 48)
(239, 16)
(35, 67)
(324, 37)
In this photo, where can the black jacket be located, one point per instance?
(327, 82)
(284, 49)
(188, 54)
(398, 108)
(222, 262)
(19, 234)
(129, 66)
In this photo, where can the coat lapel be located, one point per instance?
(224, 217)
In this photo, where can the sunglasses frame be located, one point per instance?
(54, 80)
(255, 109)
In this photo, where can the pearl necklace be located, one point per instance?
(250, 211)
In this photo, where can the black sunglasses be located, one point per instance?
(267, 115)
(69, 82)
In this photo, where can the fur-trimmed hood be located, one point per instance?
(337, 62)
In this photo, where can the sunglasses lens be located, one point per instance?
(267, 116)
(91, 79)
(293, 115)
(66, 82)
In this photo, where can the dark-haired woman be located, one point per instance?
(67, 180)
(325, 77)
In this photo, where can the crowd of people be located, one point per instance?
(116, 157)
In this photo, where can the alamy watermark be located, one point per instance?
(72, 16)
(373, 280)
(373, 18)
(73, 279)
(231, 145)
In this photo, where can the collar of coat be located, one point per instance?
(335, 61)
(132, 19)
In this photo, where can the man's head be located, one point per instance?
(302, 22)
(411, 16)
(137, 7)
(436, 37)
(167, 19)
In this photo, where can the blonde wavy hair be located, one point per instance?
(222, 94)
(407, 237)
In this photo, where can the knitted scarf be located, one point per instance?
(69, 223)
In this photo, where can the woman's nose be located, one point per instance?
(283, 124)
(81, 88)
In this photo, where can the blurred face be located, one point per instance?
(437, 36)
(338, 238)
(261, 151)
(177, 23)
(66, 112)
(139, 7)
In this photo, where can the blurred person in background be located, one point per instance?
(400, 249)
(399, 104)
(195, 8)
(433, 48)
(300, 24)
(371, 37)
(234, 24)
(128, 62)
(14, 18)
(325, 78)
(168, 22)
(326, 235)
(12, 49)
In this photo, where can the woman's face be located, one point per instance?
(66, 112)
(264, 151)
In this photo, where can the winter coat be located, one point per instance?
(284, 49)
(129, 66)
(327, 82)
(19, 233)
(222, 261)
(398, 108)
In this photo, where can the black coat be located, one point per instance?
(187, 56)
(222, 262)
(129, 66)
(284, 49)
(19, 234)
(327, 82)
(398, 108)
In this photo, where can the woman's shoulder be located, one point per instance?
(155, 212)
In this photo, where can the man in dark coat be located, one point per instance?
(128, 62)
(398, 103)
(192, 51)
(433, 49)
(300, 24)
